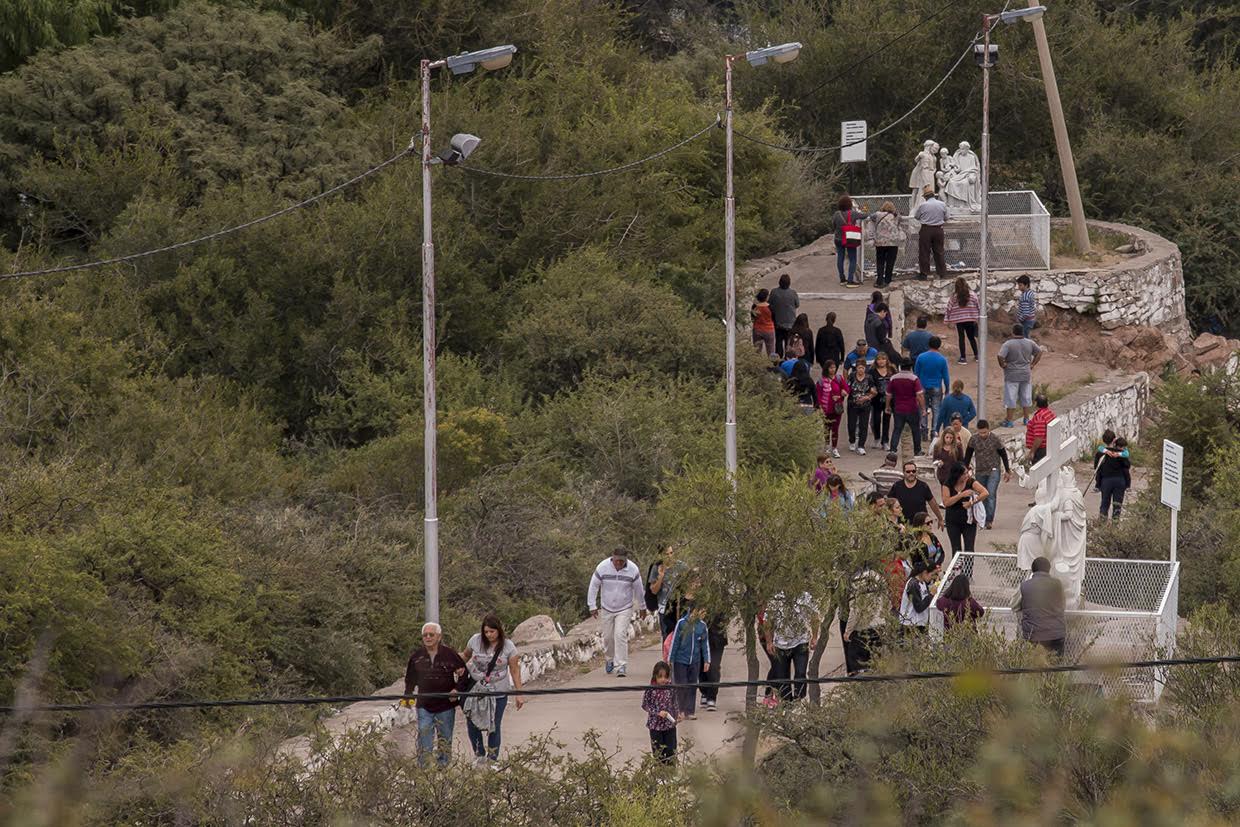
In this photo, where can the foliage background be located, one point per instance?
(210, 461)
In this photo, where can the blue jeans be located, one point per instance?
(934, 398)
(431, 724)
(898, 421)
(990, 481)
(475, 734)
(1028, 326)
(1112, 489)
(840, 251)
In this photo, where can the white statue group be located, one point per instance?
(1054, 527)
(957, 178)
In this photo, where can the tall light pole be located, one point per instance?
(987, 58)
(784, 53)
(494, 58)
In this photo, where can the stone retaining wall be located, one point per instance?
(1145, 289)
(1117, 402)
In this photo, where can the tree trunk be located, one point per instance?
(815, 658)
(749, 750)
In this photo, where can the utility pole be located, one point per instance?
(729, 268)
(984, 256)
(430, 459)
(1067, 165)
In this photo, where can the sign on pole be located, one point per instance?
(852, 141)
(1172, 485)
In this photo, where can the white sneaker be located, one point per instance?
(835, 452)
(861, 451)
(852, 446)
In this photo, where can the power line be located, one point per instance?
(892, 125)
(598, 172)
(67, 268)
(868, 677)
(851, 67)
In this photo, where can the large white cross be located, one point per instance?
(1059, 451)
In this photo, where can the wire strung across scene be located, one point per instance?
(893, 677)
(67, 268)
(609, 171)
(872, 136)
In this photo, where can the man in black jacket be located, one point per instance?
(1040, 602)
(829, 344)
(876, 332)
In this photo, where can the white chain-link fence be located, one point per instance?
(1020, 234)
(1129, 610)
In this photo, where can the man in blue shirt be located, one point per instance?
(862, 351)
(917, 342)
(931, 370)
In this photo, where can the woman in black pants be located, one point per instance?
(880, 420)
(960, 493)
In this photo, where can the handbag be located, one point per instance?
(467, 682)
(850, 233)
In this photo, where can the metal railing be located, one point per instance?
(1020, 233)
(1128, 612)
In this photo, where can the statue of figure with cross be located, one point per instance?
(1055, 526)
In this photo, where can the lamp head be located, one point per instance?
(496, 57)
(462, 146)
(1029, 15)
(783, 53)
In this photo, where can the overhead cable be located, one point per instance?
(865, 677)
(67, 268)
(892, 125)
(609, 171)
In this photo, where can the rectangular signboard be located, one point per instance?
(852, 140)
(1172, 474)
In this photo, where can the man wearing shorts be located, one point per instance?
(1017, 358)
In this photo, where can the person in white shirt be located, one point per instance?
(791, 633)
(915, 601)
(615, 585)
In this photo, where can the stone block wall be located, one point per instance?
(1117, 402)
(1144, 289)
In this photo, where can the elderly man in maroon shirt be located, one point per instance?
(436, 668)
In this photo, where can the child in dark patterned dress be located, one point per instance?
(659, 701)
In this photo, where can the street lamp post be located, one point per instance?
(784, 53)
(495, 58)
(987, 60)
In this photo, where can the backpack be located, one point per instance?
(850, 233)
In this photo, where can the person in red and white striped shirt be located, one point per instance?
(964, 311)
(1035, 431)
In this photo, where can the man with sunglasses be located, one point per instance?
(914, 495)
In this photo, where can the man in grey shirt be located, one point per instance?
(1017, 358)
(784, 302)
(932, 214)
(1040, 603)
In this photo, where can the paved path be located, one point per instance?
(619, 717)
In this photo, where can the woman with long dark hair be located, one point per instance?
(492, 661)
(960, 493)
(957, 604)
(829, 343)
(964, 311)
(880, 419)
(801, 328)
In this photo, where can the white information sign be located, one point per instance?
(852, 141)
(1172, 473)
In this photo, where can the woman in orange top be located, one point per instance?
(763, 323)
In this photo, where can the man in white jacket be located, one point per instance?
(615, 585)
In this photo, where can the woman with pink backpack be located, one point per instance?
(846, 223)
(833, 393)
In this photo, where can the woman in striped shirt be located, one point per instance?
(963, 311)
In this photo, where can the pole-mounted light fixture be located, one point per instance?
(497, 57)
(1029, 15)
(783, 53)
